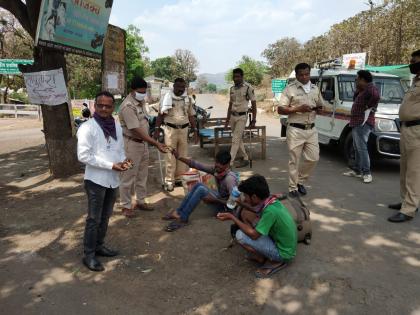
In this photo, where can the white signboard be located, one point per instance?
(112, 80)
(354, 61)
(46, 87)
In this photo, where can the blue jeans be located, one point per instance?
(264, 245)
(360, 143)
(193, 198)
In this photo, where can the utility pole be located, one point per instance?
(371, 4)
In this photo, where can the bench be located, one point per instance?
(213, 132)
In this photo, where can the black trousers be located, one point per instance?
(101, 202)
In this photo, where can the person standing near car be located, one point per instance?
(362, 122)
(410, 148)
(176, 113)
(300, 101)
(135, 127)
(240, 95)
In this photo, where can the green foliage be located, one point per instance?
(163, 68)
(19, 96)
(253, 70)
(84, 76)
(388, 32)
(211, 87)
(136, 50)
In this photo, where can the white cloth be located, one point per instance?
(307, 87)
(167, 101)
(99, 154)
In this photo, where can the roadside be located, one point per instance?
(358, 263)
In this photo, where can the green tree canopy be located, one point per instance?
(253, 70)
(163, 68)
(136, 54)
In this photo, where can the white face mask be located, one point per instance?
(139, 96)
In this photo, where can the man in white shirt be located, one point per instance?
(101, 148)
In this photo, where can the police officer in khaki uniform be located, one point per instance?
(240, 95)
(176, 114)
(410, 148)
(301, 100)
(135, 127)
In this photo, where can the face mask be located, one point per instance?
(414, 67)
(139, 96)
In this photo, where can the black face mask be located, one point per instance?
(414, 67)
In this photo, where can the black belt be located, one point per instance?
(411, 123)
(177, 126)
(302, 126)
(133, 139)
(238, 113)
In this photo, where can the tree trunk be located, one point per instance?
(58, 121)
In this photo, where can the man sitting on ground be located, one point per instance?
(273, 240)
(226, 179)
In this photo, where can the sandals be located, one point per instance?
(175, 225)
(169, 217)
(273, 270)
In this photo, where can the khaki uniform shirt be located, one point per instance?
(178, 114)
(410, 106)
(133, 115)
(294, 95)
(240, 96)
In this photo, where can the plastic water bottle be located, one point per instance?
(234, 195)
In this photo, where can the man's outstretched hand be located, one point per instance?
(224, 216)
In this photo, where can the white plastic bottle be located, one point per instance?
(234, 195)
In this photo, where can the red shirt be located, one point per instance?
(362, 100)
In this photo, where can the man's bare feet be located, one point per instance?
(255, 258)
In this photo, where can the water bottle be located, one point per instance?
(234, 195)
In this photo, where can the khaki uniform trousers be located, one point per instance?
(238, 124)
(410, 169)
(134, 180)
(301, 143)
(176, 139)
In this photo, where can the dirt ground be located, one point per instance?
(358, 263)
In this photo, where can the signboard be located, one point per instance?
(46, 87)
(11, 66)
(354, 61)
(113, 61)
(74, 26)
(278, 85)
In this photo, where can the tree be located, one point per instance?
(136, 54)
(84, 76)
(283, 55)
(202, 83)
(15, 43)
(163, 68)
(185, 65)
(253, 70)
(211, 87)
(59, 136)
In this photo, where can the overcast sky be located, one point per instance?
(219, 32)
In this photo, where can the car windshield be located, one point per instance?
(390, 89)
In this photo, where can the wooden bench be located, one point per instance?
(213, 132)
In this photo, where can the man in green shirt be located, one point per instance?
(273, 240)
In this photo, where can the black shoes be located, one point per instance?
(93, 264)
(293, 194)
(301, 189)
(178, 183)
(106, 252)
(395, 206)
(399, 217)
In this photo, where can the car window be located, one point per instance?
(327, 84)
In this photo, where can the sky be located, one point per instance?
(220, 32)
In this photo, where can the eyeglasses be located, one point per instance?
(103, 106)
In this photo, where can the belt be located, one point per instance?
(302, 126)
(238, 113)
(411, 123)
(177, 126)
(133, 139)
